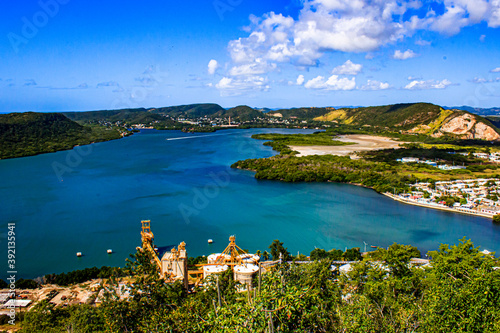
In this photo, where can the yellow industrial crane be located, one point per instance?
(173, 265)
(232, 255)
(147, 238)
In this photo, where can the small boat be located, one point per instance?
(210, 241)
(78, 254)
(110, 251)
(374, 247)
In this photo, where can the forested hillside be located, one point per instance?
(30, 133)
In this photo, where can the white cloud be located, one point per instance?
(495, 70)
(212, 66)
(256, 68)
(458, 14)
(238, 85)
(348, 68)
(300, 80)
(375, 85)
(422, 42)
(332, 83)
(408, 54)
(352, 26)
(429, 84)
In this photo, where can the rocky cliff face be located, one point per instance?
(467, 126)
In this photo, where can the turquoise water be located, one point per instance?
(93, 198)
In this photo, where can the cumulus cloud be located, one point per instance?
(408, 54)
(375, 85)
(332, 83)
(495, 70)
(233, 86)
(429, 84)
(212, 66)
(422, 42)
(348, 68)
(352, 26)
(300, 80)
(259, 66)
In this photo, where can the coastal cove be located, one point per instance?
(93, 198)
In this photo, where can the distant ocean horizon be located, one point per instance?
(94, 197)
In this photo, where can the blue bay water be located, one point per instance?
(93, 198)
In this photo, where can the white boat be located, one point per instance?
(78, 254)
(210, 241)
(110, 251)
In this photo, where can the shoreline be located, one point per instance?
(397, 198)
(446, 209)
(359, 143)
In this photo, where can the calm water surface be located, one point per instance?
(93, 198)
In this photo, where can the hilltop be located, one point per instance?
(30, 133)
(142, 115)
(415, 118)
(25, 134)
(411, 118)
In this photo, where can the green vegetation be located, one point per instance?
(402, 116)
(377, 169)
(416, 150)
(79, 276)
(27, 134)
(328, 168)
(301, 113)
(141, 115)
(458, 292)
(240, 113)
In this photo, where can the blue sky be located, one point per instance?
(65, 55)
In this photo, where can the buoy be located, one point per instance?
(78, 254)
(110, 251)
(210, 241)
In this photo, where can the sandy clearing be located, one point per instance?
(363, 143)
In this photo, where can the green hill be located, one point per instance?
(301, 113)
(163, 115)
(133, 116)
(146, 116)
(30, 133)
(241, 113)
(416, 118)
(191, 110)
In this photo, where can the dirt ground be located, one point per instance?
(362, 143)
